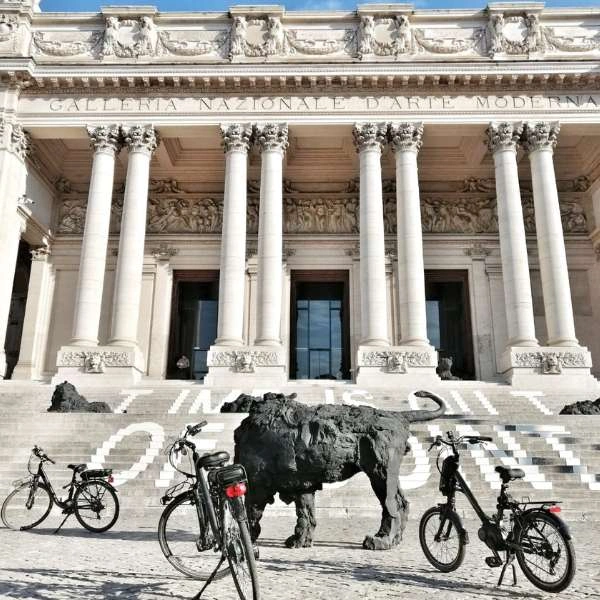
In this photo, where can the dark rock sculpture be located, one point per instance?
(586, 407)
(293, 449)
(445, 369)
(66, 398)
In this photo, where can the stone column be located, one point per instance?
(369, 139)
(15, 145)
(539, 140)
(141, 142)
(35, 323)
(273, 141)
(502, 141)
(105, 140)
(406, 140)
(236, 141)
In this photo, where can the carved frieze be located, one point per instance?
(67, 44)
(394, 361)
(168, 44)
(8, 27)
(243, 361)
(551, 362)
(91, 362)
(129, 38)
(324, 45)
(184, 214)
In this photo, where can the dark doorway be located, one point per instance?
(18, 301)
(320, 332)
(193, 323)
(449, 319)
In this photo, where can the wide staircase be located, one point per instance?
(559, 454)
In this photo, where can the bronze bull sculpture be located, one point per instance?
(292, 449)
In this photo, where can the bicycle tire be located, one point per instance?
(544, 527)
(180, 532)
(15, 505)
(240, 551)
(92, 498)
(428, 528)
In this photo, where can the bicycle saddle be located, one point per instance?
(214, 459)
(78, 468)
(507, 474)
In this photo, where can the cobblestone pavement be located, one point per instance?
(126, 562)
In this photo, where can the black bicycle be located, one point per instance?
(203, 531)
(530, 531)
(91, 499)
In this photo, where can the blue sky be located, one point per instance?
(221, 5)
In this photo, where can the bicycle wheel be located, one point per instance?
(187, 541)
(447, 551)
(545, 555)
(240, 554)
(25, 507)
(96, 505)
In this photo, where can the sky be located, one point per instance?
(223, 5)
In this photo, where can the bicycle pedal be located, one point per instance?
(493, 561)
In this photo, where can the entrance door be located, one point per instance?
(320, 336)
(193, 323)
(449, 319)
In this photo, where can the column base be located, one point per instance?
(548, 367)
(99, 365)
(256, 366)
(380, 367)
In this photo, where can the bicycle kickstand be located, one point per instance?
(62, 523)
(209, 580)
(510, 557)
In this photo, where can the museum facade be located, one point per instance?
(263, 195)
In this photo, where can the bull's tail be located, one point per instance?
(425, 415)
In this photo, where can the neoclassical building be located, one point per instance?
(264, 196)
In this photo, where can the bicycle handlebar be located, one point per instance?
(195, 429)
(452, 441)
(39, 452)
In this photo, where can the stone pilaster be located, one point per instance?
(106, 142)
(37, 314)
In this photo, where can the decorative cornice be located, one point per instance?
(503, 136)
(164, 252)
(272, 136)
(105, 138)
(237, 137)
(369, 136)
(141, 138)
(540, 136)
(406, 137)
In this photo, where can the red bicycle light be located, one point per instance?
(110, 479)
(554, 509)
(236, 490)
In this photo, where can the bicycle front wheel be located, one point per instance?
(444, 548)
(26, 506)
(546, 556)
(240, 552)
(96, 505)
(187, 541)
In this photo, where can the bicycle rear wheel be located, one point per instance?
(546, 556)
(240, 552)
(187, 541)
(96, 505)
(26, 507)
(446, 551)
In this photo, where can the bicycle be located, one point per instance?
(533, 532)
(206, 524)
(92, 499)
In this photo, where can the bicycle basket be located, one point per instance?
(96, 474)
(230, 474)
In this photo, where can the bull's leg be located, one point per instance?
(394, 506)
(305, 523)
(255, 507)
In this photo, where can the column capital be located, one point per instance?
(105, 138)
(369, 136)
(540, 136)
(236, 137)
(406, 137)
(41, 253)
(14, 138)
(271, 136)
(141, 138)
(503, 136)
